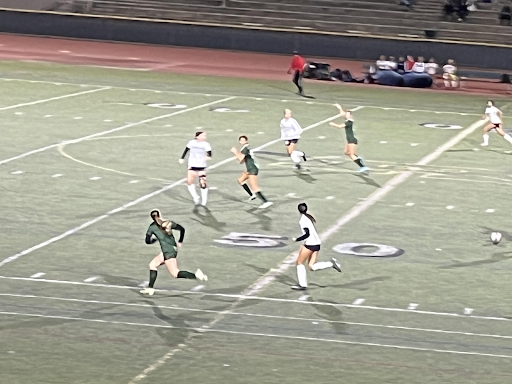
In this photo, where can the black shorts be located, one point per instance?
(197, 169)
(312, 248)
(496, 126)
(293, 141)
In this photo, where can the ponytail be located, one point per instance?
(303, 209)
(164, 225)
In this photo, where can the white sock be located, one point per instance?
(486, 138)
(508, 138)
(204, 196)
(193, 193)
(296, 156)
(454, 84)
(301, 275)
(321, 265)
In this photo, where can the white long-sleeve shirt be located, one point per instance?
(290, 129)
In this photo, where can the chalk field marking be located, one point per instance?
(412, 306)
(145, 197)
(270, 276)
(206, 329)
(358, 301)
(16, 173)
(91, 279)
(239, 96)
(409, 204)
(490, 210)
(257, 298)
(74, 141)
(94, 178)
(57, 175)
(37, 275)
(245, 314)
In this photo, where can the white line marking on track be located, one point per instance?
(74, 141)
(91, 279)
(244, 297)
(197, 288)
(37, 275)
(145, 197)
(208, 329)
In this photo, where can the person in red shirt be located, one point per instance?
(298, 64)
(409, 63)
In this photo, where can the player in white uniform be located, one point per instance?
(309, 249)
(290, 134)
(495, 117)
(200, 152)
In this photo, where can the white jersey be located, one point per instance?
(450, 69)
(418, 67)
(290, 129)
(431, 68)
(198, 153)
(313, 239)
(493, 114)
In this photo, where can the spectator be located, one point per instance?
(409, 64)
(451, 80)
(382, 63)
(505, 15)
(419, 66)
(431, 67)
(400, 65)
(392, 64)
(407, 3)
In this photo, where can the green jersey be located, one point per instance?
(167, 242)
(249, 159)
(349, 131)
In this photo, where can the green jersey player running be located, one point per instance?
(250, 176)
(351, 146)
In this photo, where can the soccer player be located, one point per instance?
(161, 230)
(290, 134)
(200, 152)
(351, 146)
(495, 117)
(297, 66)
(309, 250)
(250, 176)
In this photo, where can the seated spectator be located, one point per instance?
(400, 66)
(431, 67)
(392, 64)
(451, 80)
(505, 15)
(409, 64)
(419, 66)
(382, 63)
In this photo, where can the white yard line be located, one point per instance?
(244, 314)
(142, 198)
(255, 334)
(273, 274)
(302, 101)
(74, 141)
(53, 98)
(263, 298)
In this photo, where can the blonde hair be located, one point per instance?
(164, 225)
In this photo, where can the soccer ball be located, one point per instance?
(496, 237)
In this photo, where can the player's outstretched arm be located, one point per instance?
(304, 236)
(333, 124)
(182, 158)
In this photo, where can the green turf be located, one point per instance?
(59, 329)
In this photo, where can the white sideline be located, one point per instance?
(270, 276)
(142, 198)
(74, 141)
(203, 330)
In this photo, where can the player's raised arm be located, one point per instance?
(239, 156)
(342, 112)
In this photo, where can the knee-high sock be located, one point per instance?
(296, 156)
(152, 277)
(508, 138)
(321, 265)
(204, 196)
(193, 193)
(186, 275)
(301, 275)
(247, 189)
(486, 138)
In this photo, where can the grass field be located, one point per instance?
(86, 154)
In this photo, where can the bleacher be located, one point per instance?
(359, 17)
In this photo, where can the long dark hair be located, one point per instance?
(303, 208)
(164, 225)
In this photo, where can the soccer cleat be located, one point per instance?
(484, 144)
(148, 291)
(197, 201)
(336, 265)
(253, 197)
(363, 169)
(298, 287)
(265, 205)
(297, 167)
(201, 276)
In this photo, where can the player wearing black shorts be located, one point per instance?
(351, 146)
(250, 176)
(161, 230)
